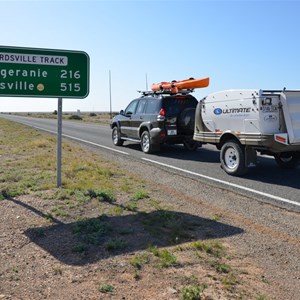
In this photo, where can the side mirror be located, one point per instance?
(122, 112)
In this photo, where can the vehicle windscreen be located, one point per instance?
(175, 105)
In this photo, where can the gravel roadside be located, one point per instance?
(270, 237)
(262, 242)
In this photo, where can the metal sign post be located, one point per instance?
(59, 141)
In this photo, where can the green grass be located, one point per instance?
(214, 248)
(94, 186)
(140, 194)
(106, 196)
(166, 258)
(94, 117)
(106, 288)
(139, 260)
(132, 206)
(84, 176)
(230, 281)
(221, 267)
(171, 225)
(261, 297)
(217, 217)
(192, 292)
(114, 245)
(80, 248)
(91, 231)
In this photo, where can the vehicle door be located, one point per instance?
(126, 121)
(137, 118)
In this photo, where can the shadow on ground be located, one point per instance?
(94, 239)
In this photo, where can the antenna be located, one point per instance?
(146, 82)
(110, 109)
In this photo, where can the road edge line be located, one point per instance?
(225, 183)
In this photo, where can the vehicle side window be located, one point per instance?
(141, 106)
(152, 106)
(130, 109)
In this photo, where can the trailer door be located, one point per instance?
(291, 110)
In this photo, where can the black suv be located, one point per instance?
(156, 118)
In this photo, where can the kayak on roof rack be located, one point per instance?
(177, 86)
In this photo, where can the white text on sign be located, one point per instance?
(15, 58)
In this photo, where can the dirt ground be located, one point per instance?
(38, 260)
(182, 240)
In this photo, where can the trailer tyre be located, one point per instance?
(287, 160)
(232, 158)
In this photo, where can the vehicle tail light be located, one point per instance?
(162, 112)
(161, 115)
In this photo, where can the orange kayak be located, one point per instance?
(176, 86)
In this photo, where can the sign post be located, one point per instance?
(59, 141)
(45, 73)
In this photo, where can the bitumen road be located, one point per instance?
(265, 182)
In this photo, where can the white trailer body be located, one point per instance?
(256, 120)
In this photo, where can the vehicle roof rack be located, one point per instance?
(166, 92)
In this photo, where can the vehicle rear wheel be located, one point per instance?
(287, 160)
(116, 137)
(146, 144)
(232, 158)
(186, 121)
(190, 145)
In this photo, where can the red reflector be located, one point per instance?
(162, 112)
(163, 135)
(280, 139)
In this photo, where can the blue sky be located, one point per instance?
(238, 44)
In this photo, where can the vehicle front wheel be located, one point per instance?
(232, 158)
(146, 144)
(287, 160)
(116, 137)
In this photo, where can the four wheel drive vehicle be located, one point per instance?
(243, 122)
(240, 123)
(155, 118)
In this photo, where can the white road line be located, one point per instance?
(80, 140)
(183, 170)
(225, 183)
(94, 144)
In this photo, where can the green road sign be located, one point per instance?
(44, 73)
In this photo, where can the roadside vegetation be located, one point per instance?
(101, 212)
(91, 117)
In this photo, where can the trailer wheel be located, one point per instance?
(116, 137)
(232, 158)
(287, 160)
